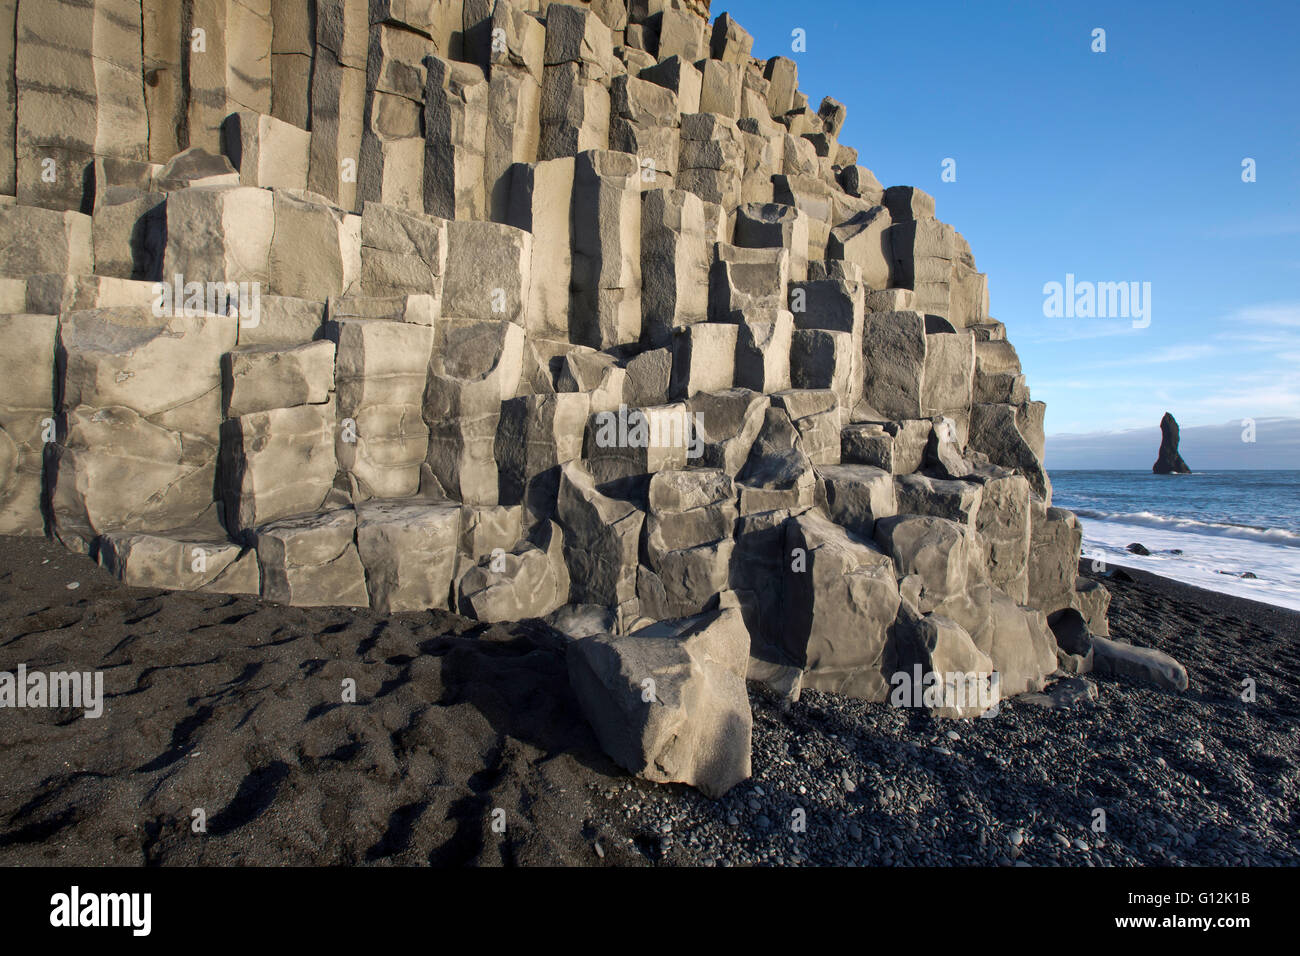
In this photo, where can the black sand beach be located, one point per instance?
(235, 707)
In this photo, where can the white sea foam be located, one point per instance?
(1146, 519)
(1213, 556)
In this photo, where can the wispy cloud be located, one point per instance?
(1170, 353)
(1286, 314)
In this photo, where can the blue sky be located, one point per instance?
(1116, 167)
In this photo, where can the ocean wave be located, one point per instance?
(1280, 536)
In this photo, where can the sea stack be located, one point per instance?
(1169, 462)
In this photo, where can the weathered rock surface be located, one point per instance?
(668, 702)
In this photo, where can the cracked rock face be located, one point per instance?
(579, 313)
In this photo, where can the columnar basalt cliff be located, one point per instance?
(517, 308)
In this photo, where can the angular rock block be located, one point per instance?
(1092, 600)
(680, 77)
(1012, 436)
(694, 726)
(190, 560)
(536, 434)
(763, 347)
(824, 360)
(640, 441)
(311, 561)
(730, 42)
(275, 464)
(408, 550)
(475, 367)
(56, 294)
(597, 374)
(574, 114)
(402, 253)
(1003, 522)
(606, 249)
(541, 202)
(782, 75)
(747, 279)
(949, 376)
(711, 159)
(520, 39)
(648, 377)
(259, 378)
(956, 678)
(380, 372)
(128, 233)
(645, 121)
(489, 269)
(727, 424)
(674, 263)
(816, 416)
(530, 581)
(689, 544)
(166, 369)
(1017, 640)
(116, 470)
(997, 373)
(908, 202)
(840, 600)
(861, 182)
(778, 473)
(775, 226)
(1055, 543)
(945, 556)
(26, 417)
(412, 309)
(602, 537)
(867, 444)
(721, 85)
(282, 321)
(855, 497)
(455, 140)
(894, 353)
(289, 246)
(864, 241)
(35, 240)
(267, 152)
(958, 501)
(704, 357)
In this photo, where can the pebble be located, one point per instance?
(74, 585)
(1016, 837)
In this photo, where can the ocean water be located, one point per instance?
(1205, 529)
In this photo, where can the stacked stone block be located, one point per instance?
(495, 306)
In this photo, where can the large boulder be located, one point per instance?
(409, 552)
(841, 598)
(668, 702)
(311, 561)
